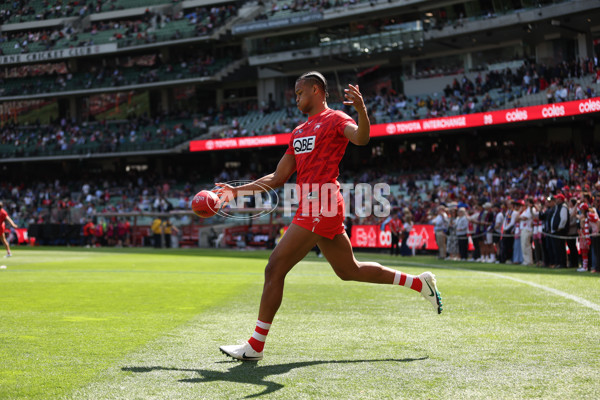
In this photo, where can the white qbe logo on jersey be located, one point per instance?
(304, 145)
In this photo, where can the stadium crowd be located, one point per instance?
(504, 205)
(149, 27)
(561, 82)
(107, 137)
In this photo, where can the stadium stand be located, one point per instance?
(92, 89)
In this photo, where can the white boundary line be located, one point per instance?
(557, 292)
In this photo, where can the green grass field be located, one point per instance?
(143, 324)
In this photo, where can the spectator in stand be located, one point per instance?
(440, 226)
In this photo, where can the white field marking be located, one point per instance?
(557, 292)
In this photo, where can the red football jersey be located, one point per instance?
(3, 215)
(318, 146)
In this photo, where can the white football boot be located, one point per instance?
(429, 291)
(242, 352)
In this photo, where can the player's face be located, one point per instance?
(305, 96)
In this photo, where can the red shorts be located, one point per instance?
(327, 227)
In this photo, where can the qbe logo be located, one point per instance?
(304, 145)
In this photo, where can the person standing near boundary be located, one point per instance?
(440, 227)
(396, 227)
(406, 228)
(315, 150)
(4, 217)
(526, 216)
(560, 224)
(508, 237)
(462, 229)
(572, 233)
(157, 230)
(588, 226)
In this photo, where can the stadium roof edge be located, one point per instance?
(89, 156)
(37, 24)
(128, 12)
(112, 89)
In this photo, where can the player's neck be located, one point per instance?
(317, 109)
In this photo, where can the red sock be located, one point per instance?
(409, 281)
(257, 341)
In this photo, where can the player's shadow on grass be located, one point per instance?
(252, 373)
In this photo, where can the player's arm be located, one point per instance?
(10, 221)
(359, 135)
(285, 169)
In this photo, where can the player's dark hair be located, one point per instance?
(315, 78)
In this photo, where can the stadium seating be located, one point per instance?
(117, 136)
(124, 77)
(132, 32)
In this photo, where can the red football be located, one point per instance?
(204, 204)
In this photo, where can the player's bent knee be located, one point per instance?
(274, 271)
(347, 274)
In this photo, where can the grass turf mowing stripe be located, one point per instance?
(60, 324)
(497, 339)
(351, 340)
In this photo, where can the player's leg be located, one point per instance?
(338, 252)
(6, 245)
(295, 244)
(292, 248)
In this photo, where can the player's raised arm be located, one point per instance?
(285, 169)
(359, 135)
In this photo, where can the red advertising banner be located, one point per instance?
(499, 117)
(281, 139)
(22, 236)
(532, 113)
(371, 236)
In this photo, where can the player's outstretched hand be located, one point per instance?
(226, 193)
(354, 98)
